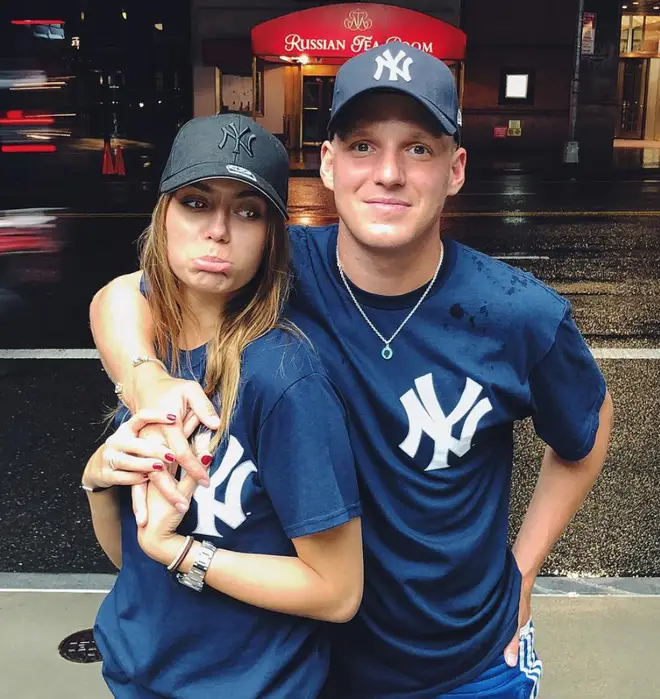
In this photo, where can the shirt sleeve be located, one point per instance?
(567, 389)
(305, 459)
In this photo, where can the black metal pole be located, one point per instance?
(572, 150)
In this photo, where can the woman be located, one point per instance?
(227, 599)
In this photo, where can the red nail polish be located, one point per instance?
(170, 457)
(171, 417)
(206, 460)
(158, 467)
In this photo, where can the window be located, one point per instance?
(516, 86)
(640, 36)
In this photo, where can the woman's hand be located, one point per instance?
(158, 538)
(127, 459)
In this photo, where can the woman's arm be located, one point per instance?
(124, 459)
(323, 582)
(104, 508)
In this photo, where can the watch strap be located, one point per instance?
(194, 578)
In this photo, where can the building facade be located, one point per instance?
(522, 89)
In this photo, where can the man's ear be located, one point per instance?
(327, 155)
(457, 176)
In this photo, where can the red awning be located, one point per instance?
(335, 33)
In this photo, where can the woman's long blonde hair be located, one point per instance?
(251, 312)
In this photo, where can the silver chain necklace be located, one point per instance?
(386, 352)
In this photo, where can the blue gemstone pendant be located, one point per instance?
(386, 352)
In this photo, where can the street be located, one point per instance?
(595, 242)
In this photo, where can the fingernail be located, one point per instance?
(171, 418)
(510, 659)
(170, 457)
(158, 467)
(206, 459)
(181, 508)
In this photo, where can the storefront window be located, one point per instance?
(640, 35)
(637, 32)
(651, 35)
(625, 34)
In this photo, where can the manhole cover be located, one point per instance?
(80, 647)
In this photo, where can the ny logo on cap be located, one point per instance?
(242, 139)
(386, 60)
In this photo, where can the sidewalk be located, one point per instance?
(594, 646)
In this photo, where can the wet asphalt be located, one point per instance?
(596, 242)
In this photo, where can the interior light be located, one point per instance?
(123, 14)
(159, 26)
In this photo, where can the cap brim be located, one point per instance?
(445, 123)
(213, 171)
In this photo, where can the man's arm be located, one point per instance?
(122, 328)
(561, 489)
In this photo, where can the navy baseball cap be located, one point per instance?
(401, 68)
(232, 147)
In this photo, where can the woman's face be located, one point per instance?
(216, 233)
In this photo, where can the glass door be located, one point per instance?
(633, 78)
(317, 100)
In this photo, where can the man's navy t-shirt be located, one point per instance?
(432, 434)
(285, 471)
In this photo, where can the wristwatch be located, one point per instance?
(194, 578)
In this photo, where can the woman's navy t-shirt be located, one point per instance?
(286, 470)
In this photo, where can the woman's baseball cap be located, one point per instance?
(228, 146)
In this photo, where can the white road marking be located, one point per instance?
(521, 257)
(35, 589)
(626, 352)
(598, 352)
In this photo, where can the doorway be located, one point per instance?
(317, 100)
(633, 84)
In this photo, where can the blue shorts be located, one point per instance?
(503, 682)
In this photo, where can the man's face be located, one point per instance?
(391, 171)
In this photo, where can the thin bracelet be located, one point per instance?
(136, 362)
(182, 554)
(99, 489)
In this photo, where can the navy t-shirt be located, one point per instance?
(432, 434)
(285, 471)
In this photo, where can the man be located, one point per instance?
(437, 350)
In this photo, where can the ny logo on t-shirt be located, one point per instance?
(425, 416)
(230, 511)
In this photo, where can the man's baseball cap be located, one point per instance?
(401, 68)
(228, 146)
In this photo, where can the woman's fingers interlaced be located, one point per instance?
(121, 461)
(147, 449)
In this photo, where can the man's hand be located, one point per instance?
(524, 615)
